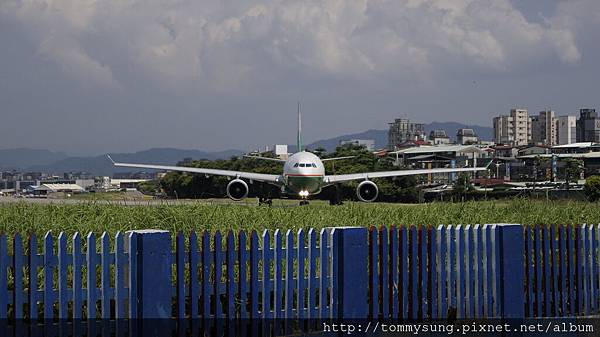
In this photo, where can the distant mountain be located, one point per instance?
(101, 165)
(381, 136)
(24, 157)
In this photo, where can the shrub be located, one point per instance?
(592, 188)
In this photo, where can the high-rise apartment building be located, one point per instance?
(566, 127)
(588, 126)
(543, 128)
(402, 130)
(514, 129)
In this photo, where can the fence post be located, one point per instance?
(350, 278)
(511, 271)
(152, 277)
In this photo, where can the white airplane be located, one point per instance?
(303, 175)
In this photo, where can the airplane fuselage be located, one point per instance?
(303, 174)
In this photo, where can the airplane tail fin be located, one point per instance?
(300, 149)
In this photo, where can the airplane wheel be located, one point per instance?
(304, 202)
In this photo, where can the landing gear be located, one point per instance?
(304, 202)
(336, 197)
(265, 201)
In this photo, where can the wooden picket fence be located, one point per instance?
(433, 273)
(562, 268)
(424, 272)
(254, 277)
(59, 290)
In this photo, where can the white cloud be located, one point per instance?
(191, 45)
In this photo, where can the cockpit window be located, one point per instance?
(296, 165)
(302, 165)
(314, 165)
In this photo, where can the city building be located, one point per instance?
(402, 131)
(466, 137)
(566, 127)
(439, 137)
(588, 126)
(368, 144)
(513, 129)
(280, 151)
(543, 128)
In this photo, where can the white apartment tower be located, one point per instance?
(543, 128)
(566, 127)
(514, 129)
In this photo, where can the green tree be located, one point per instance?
(591, 189)
(573, 170)
(462, 185)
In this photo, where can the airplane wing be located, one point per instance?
(337, 158)
(383, 174)
(265, 158)
(269, 178)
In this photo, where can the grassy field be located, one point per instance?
(88, 216)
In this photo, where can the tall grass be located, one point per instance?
(39, 218)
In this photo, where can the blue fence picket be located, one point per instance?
(218, 265)
(18, 264)
(528, 276)
(468, 254)
(572, 259)
(105, 275)
(579, 246)
(277, 275)
(539, 258)
(478, 270)
(487, 276)
(91, 276)
(394, 275)
(594, 277)
(180, 270)
(423, 274)
(207, 264)
(33, 278)
(230, 283)
(442, 307)
(323, 273)
(563, 269)
(243, 274)
(404, 279)
(547, 272)
(3, 277)
(555, 267)
(383, 272)
(254, 276)
(432, 286)
(266, 275)
(584, 270)
(63, 264)
(289, 274)
(313, 255)
(77, 277)
(373, 272)
(120, 263)
(451, 287)
(48, 276)
(133, 304)
(414, 272)
(460, 271)
(301, 281)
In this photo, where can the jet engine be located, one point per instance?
(367, 191)
(237, 189)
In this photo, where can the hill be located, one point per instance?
(25, 157)
(100, 165)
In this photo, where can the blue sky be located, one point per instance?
(89, 77)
